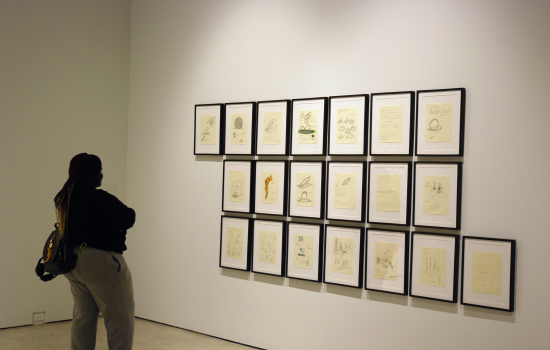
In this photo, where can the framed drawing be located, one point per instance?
(238, 186)
(209, 128)
(308, 128)
(271, 187)
(305, 251)
(392, 123)
(437, 194)
(235, 243)
(348, 125)
(387, 266)
(434, 266)
(307, 189)
(389, 199)
(273, 128)
(440, 122)
(269, 247)
(240, 128)
(343, 262)
(488, 272)
(346, 191)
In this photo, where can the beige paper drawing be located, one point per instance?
(235, 243)
(433, 266)
(303, 251)
(307, 127)
(239, 129)
(268, 247)
(236, 188)
(391, 124)
(305, 189)
(344, 191)
(272, 128)
(439, 122)
(487, 273)
(270, 187)
(347, 125)
(387, 192)
(342, 255)
(208, 131)
(385, 260)
(436, 195)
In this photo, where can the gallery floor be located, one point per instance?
(148, 335)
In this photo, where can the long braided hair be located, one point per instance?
(82, 171)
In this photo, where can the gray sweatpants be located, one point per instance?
(101, 281)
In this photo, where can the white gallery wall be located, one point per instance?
(189, 52)
(64, 73)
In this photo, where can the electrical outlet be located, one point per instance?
(38, 318)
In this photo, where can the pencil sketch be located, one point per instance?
(342, 255)
(270, 192)
(439, 122)
(344, 191)
(390, 127)
(487, 273)
(347, 119)
(303, 251)
(239, 129)
(237, 186)
(272, 128)
(305, 189)
(388, 192)
(208, 136)
(268, 247)
(307, 126)
(436, 195)
(385, 260)
(433, 266)
(235, 243)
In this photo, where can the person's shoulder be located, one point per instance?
(101, 194)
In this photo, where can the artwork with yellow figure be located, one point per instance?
(387, 192)
(342, 255)
(303, 251)
(239, 129)
(307, 127)
(268, 247)
(270, 193)
(236, 188)
(208, 132)
(347, 125)
(272, 128)
(344, 191)
(385, 260)
(390, 127)
(487, 273)
(433, 266)
(436, 195)
(235, 243)
(439, 122)
(305, 189)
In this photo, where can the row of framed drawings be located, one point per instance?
(384, 196)
(335, 255)
(302, 126)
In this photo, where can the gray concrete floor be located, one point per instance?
(148, 336)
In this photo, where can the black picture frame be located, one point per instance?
(442, 148)
(330, 195)
(245, 208)
(215, 150)
(508, 300)
(291, 212)
(249, 226)
(411, 119)
(331, 132)
(319, 274)
(452, 295)
(286, 131)
(252, 120)
(282, 194)
(282, 266)
(360, 273)
(323, 149)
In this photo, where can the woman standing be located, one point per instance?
(101, 280)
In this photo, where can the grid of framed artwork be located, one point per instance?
(348, 199)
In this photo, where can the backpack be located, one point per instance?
(57, 255)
